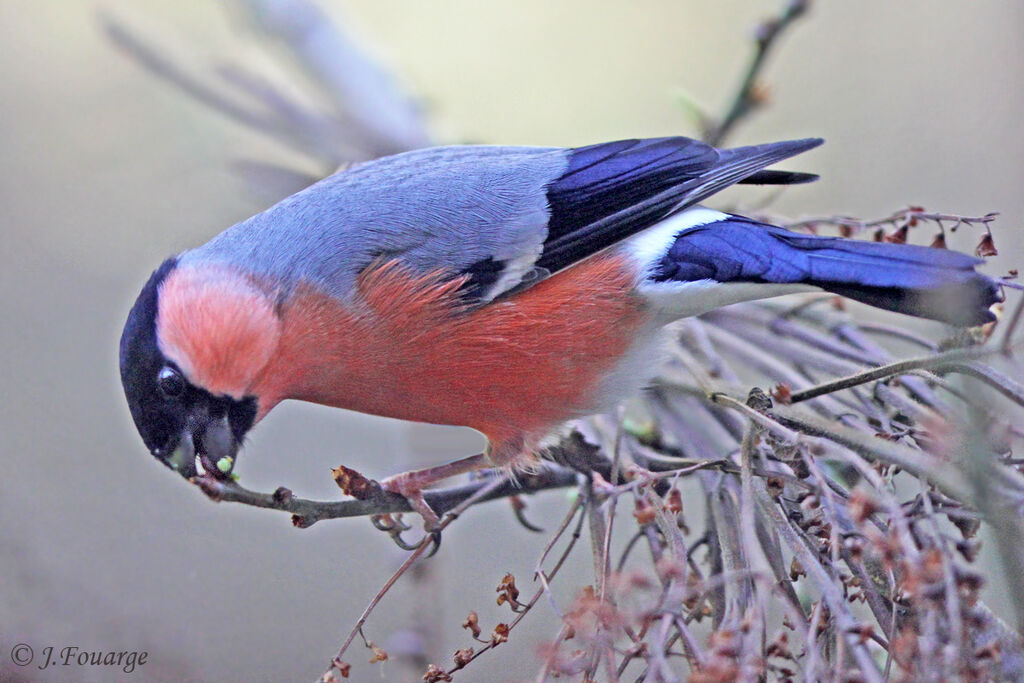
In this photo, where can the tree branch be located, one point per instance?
(748, 96)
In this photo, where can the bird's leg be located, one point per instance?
(410, 485)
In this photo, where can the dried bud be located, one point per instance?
(759, 95)
(435, 675)
(939, 242)
(862, 505)
(987, 246)
(500, 634)
(864, 632)
(899, 235)
(507, 592)
(379, 655)
(969, 548)
(643, 512)
(472, 623)
(796, 570)
(352, 483)
(879, 235)
(344, 668)
(775, 486)
(779, 647)
(463, 657)
(969, 584)
(674, 501)
(782, 393)
(845, 230)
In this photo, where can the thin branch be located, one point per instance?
(937, 362)
(748, 96)
(306, 512)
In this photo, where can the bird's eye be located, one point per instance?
(170, 382)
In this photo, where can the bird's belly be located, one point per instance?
(512, 368)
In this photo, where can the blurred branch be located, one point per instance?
(750, 95)
(939, 362)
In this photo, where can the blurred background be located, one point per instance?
(107, 170)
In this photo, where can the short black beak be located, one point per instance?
(183, 458)
(206, 446)
(218, 448)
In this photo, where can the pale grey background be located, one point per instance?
(105, 171)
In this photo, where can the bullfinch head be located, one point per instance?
(186, 427)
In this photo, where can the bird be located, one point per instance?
(503, 288)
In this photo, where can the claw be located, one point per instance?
(389, 523)
(518, 507)
(395, 528)
(405, 485)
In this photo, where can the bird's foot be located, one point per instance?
(410, 486)
(394, 527)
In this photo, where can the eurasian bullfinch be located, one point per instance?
(507, 289)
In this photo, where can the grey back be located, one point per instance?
(438, 208)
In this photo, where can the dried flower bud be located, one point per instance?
(472, 623)
(344, 668)
(379, 655)
(796, 570)
(779, 647)
(939, 242)
(352, 483)
(987, 246)
(969, 548)
(643, 512)
(463, 657)
(674, 501)
(899, 235)
(500, 634)
(864, 632)
(508, 592)
(434, 674)
(782, 393)
(861, 505)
